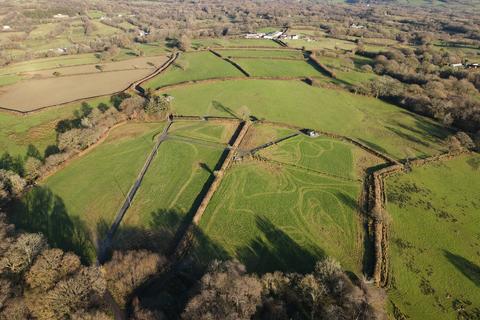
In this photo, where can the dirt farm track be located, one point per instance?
(37, 93)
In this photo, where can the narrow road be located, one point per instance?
(137, 85)
(107, 241)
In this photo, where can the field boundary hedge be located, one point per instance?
(379, 215)
(321, 66)
(186, 239)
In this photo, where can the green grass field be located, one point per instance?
(321, 43)
(381, 125)
(320, 154)
(435, 240)
(281, 218)
(17, 131)
(194, 66)
(347, 70)
(278, 68)
(90, 190)
(225, 42)
(259, 53)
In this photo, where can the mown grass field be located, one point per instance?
(278, 68)
(259, 134)
(194, 66)
(259, 53)
(87, 193)
(38, 129)
(435, 240)
(320, 154)
(381, 125)
(281, 218)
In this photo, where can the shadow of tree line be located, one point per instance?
(42, 211)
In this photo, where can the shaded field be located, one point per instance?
(30, 95)
(435, 240)
(382, 126)
(277, 68)
(259, 53)
(38, 129)
(194, 66)
(281, 218)
(87, 193)
(222, 42)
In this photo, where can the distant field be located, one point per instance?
(281, 218)
(348, 70)
(277, 68)
(38, 129)
(131, 64)
(225, 42)
(87, 193)
(37, 93)
(194, 66)
(49, 63)
(435, 240)
(321, 43)
(258, 53)
(381, 125)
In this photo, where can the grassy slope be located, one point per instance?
(17, 132)
(277, 68)
(91, 189)
(383, 126)
(435, 241)
(273, 218)
(194, 66)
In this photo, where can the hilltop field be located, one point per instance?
(294, 189)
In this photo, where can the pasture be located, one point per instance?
(193, 66)
(380, 125)
(38, 129)
(261, 53)
(321, 43)
(274, 217)
(171, 189)
(348, 69)
(86, 194)
(321, 155)
(232, 43)
(435, 241)
(278, 68)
